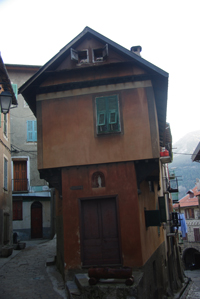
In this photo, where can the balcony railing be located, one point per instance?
(170, 186)
(20, 185)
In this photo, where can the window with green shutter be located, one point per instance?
(15, 90)
(31, 130)
(108, 119)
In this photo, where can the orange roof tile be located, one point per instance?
(186, 201)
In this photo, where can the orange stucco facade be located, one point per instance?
(71, 139)
(137, 243)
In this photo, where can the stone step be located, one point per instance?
(72, 290)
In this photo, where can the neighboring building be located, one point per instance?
(101, 117)
(189, 206)
(32, 198)
(5, 165)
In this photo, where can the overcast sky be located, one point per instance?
(32, 31)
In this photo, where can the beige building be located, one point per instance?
(5, 166)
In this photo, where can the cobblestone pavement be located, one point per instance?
(25, 275)
(193, 291)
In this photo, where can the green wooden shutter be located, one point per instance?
(101, 114)
(31, 130)
(35, 130)
(14, 87)
(162, 209)
(113, 117)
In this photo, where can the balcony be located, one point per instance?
(170, 185)
(20, 185)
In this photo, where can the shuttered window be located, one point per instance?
(14, 87)
(5, 174)
(108, 119)
(31, 130)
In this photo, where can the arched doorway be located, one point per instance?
(36, 220)
(190, 257)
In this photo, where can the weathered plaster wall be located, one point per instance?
(121, 181)
(71, 139)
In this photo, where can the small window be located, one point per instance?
(17, 210)
(15, 90)
(108, 119)
(80, 57)
(31, 130)
(5, 185)
(100, 54)
(5, 125)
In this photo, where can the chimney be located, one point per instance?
(136, 50)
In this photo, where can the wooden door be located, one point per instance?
(196, 235)
(36, 220)
(100, 236)
(20, 175)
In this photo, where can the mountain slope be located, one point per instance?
(186, 170)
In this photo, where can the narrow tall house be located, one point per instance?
(101, 116)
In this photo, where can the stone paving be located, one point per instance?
(24, 275)
(193, 290)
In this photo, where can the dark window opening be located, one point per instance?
(80, 56)
(100, 54)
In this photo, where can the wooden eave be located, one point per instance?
(159, 77)
(4, 79)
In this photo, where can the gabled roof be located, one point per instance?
(4, 78)
(77, 40)
(186, 201)
(158, 76)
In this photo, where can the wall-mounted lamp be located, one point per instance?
(5, 100)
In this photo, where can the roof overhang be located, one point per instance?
(4, 79)
(196, 154)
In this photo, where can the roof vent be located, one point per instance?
(136, 50)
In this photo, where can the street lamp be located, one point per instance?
(5, 100)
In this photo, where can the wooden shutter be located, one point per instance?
(14, 87)
(191, 213)
(113, 118)
(105, 51)
(162, 209)
(101, 114)
(74, 54)
(31, 130)
(35, 130)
